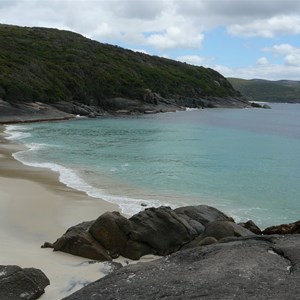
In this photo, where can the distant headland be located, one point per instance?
(51, 74)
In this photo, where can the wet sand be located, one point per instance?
(35, 207)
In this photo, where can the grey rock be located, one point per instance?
(111, 231)
(162, 229)
(266, 106)
(203, 214)
(17, 283)
(29, 112)
(200, 241)
(222, 229)
(78, 241)
(159, 231)
(209, 240)
(244, 268)
(250, 225)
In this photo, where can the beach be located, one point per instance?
(35, 207)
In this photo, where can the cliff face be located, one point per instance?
(51, 66)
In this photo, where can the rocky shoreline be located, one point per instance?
(205, 254)
(237, 268)
(23, 112)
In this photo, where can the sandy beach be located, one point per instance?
(35, 207)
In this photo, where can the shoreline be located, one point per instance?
(36, 207)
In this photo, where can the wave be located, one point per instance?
(16, 132)
(70, 178)
(191, 109)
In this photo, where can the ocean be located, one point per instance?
(245, 162)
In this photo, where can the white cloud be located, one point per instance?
(174, 37)
(281, 49)
(293, 60)
(268, 28)
(264, 71)
(196, 60)
(170, 24)
(140, 51)
(262, 61)
(290, 53)
(173, 23)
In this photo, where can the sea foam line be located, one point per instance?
(69, 177)
(15, 132)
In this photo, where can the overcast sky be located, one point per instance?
(239, 38)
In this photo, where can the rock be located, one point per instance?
(292, 228)
(250, 225)
(256, 105)
(17, 283)
(159, 231)
(223, 229)
(136, 249)
(202, 213)
(78, 241)
(207, 241)
(200, 241)
(199, 216)
(29, 112)
(111, 230)
(162, 229)
(266, 106)
(110, 267)
(218, 230)
(245, 268)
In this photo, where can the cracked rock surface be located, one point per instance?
(255, 267)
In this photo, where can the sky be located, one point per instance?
(238, 38)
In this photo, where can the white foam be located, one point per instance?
(191, 109)
(71, 179)
(16, 132)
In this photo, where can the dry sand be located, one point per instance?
(35, 207)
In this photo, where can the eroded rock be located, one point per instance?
(292, 228)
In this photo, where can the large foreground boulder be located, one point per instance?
(159, 231)
(255, 267)
(78, 241)
(17, 283)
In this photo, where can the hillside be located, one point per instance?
(268, 91)
(51, 66)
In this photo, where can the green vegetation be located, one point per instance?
(268, 91)
(50, 65)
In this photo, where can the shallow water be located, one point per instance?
(243, 161)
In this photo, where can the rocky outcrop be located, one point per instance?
(78, 241)
(250, 225)
(291, 228)
(17, 283)
(258, 105)
(30, 112)
(159, 231)
(255, 267)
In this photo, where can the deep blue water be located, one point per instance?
(245, 162)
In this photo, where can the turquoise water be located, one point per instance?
(245, 162)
